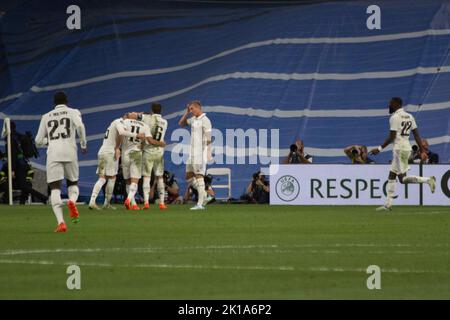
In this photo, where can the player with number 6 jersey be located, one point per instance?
(153, 156)
(57, 130)
(132, 158)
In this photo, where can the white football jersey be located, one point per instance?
(58, 129)
(200, 126)
(114, 131)
(158, 128)
(403, 123)
(130, 143)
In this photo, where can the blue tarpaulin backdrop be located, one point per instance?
(314, 72)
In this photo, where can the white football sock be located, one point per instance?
(415, 179)
(146, 188)
(55, 198)
(109, 191)
(201, 191)
(133, 202)
(161, 187)
(132, 192)
(73, 192)
(390, 190)
(97, 187)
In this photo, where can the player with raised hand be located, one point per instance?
(108, 159)
(132, 158)
(57, 130)
(401, 125)
(153, 155)
(200, 150)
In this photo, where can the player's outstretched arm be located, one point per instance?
(155, 142)
(388, 141)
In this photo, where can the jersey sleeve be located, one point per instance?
(41, 137)
(207, 127)
(393, 123)
(79, 126)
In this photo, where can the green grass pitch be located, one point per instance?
(227, 252)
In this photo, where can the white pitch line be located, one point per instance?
(313, 248)
(218, 267)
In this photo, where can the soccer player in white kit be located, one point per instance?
(57, 130)
(132, 158)
(200, 150)
(401, 124)
(153, 155)
(108, 159)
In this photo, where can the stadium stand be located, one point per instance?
(310, 74)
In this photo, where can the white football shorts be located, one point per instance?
(399, 163)
(57, 171)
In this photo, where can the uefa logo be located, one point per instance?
(287, 188)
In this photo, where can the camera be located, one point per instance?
(255, 176)
(293, 148)
(168, 177)
(208, 179)
(355, 152)
(415, 148)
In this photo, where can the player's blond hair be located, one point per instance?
(197, 102)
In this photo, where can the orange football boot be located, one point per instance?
(127, 204)
(135, 207)
(146, 206)
(74, 215)
(61, 227)
(162, 206)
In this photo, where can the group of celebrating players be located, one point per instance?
(137, 138)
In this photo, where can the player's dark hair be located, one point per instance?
(398, 101)
(293, 147)
(60, 98)
(156, 108)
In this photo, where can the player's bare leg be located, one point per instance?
(55, 198)
(198, 183)
(161, 189)
(109, 192)
(130, 203)
(73, 191)
(95, 191)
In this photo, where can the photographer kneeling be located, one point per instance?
(258, 190)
